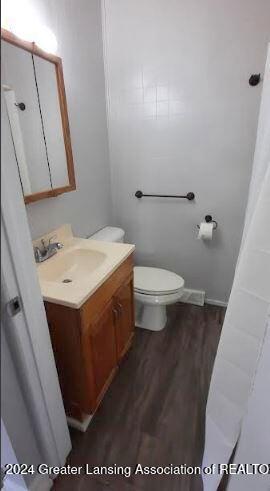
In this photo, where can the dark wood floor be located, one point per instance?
(153, 413)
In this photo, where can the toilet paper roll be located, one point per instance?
(206, 231)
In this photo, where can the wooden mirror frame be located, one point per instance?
(35, 50)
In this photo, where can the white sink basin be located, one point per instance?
(74, 265)
(78, 269)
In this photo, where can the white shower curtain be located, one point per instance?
(247, 313)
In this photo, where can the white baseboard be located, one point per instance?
(218, 303)
(195, 297)
(41, 483)
(80, 425)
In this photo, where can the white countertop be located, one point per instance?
(76, 292)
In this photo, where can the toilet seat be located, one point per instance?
(156, 281)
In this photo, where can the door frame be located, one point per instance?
(27, 331)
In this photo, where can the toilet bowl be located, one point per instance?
(154, 288)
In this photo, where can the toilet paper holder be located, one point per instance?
(209, 219)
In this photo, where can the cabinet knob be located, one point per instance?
(120, 306)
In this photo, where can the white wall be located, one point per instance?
(77, 26)
(182, 117)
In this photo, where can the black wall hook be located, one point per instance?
(20, 105)
(254, 79)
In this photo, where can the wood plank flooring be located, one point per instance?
(153, 413)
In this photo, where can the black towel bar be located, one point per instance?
(190, 196)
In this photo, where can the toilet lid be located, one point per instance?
(156, 281)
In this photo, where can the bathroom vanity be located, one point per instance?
(88, 291)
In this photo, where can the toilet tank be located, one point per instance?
(109, 234)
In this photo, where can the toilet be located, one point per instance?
(154, 288)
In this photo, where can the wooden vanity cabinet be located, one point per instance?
(124, 320)
(89, 343)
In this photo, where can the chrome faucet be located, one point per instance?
(48, 250)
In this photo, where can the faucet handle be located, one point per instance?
(37, 254)
(43, 242)
(51, 238)
(58, 245)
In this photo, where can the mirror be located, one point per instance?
(34, 94)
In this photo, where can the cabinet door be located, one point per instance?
(103, 350)
(64, 326)
(124, 325)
